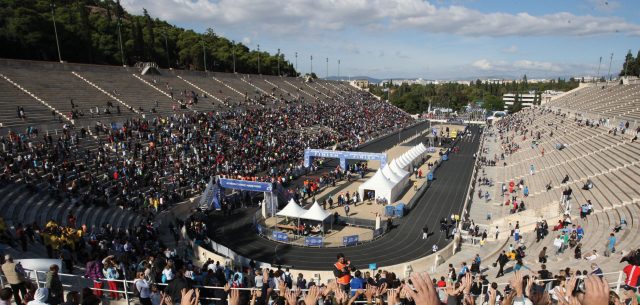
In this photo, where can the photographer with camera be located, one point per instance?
(342, 272)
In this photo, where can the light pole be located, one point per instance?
(233, 51)
(327, 74)
(204, 54)
(311, 72)
(55, 29)
(120, 40)
(598, 73)
(338, 69)
(296, 62)
(278, 62)
(610, 60)
(258, 59)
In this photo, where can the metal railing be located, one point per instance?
(72, 282)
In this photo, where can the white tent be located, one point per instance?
(292, 210)
(413, 153)
(389, 174)
(396, 168)
(315, 212)
(382, 187)
(421, 149)
(404, 161)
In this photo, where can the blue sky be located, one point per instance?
(437, 39)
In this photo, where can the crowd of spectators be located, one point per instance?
(255, 286)
(148, 163)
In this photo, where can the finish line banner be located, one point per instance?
(246, 185)
(343, 156)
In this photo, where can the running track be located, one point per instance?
(403, 243)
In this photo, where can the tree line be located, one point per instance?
(416, 98)
(631, 66)
(93, 31)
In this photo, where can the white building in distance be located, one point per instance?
(526, 99)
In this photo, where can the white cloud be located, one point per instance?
(304, 16)
(523, 66)
(482, 64)
(512, 49)
(246, 41)
(537, 66)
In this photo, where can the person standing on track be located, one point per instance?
(425, 232)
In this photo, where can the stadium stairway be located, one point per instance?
(597, 228)
(157, 88)
(278, 87)
(127, 106)
(250, 83)
(21, 205)
(316, 90)
(221, 92)
(57, 88)
(299, 89)
(124, 86)
(328, 90)
(12, 97)
(54, 110)
(223, 81)
(203, 92)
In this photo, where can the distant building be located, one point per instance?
(526, 99)
(549, 95)
(360, 83)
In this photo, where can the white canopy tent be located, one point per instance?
(413, 153)
(382, 187)
(422, 146)
(396, 168)
(292, 210)
(389, 174)
(316, 213)
(404, 161)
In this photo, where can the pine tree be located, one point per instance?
(150, 40)
(629, 65)
(637, 65)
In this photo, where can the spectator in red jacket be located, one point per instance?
(632, 272)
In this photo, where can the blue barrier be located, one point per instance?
(351, 240)
(400, 210)
(313, 241)
(389, 211)
(280, 236)
(430, 176)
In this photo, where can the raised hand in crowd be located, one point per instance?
(292, 296)
(370, 293)
(341, 297)
(313, 295)
(596, 291)
(234, 296)
(425, 293)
